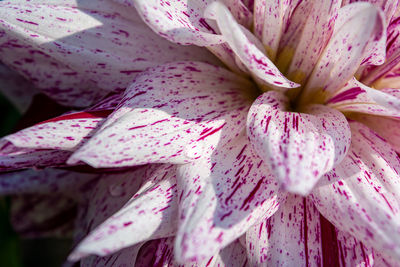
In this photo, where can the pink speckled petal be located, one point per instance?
(355, 96)
(170, 114)
(182, 22)
(41, 216)
(48, 180)
(17, 89)
(161, 253)
(61, 133)
(125, 257)
(304, 37)
(361, 195)
(388, 7)
(270, 17)
(386, 127)
(298, 147)
(352, 252)
(357, 28)
(18, 158)
(149, 214)
(247, 48)
(385, 75)
(51, 44)
(221, 198)
(290, 237)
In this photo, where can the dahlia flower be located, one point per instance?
(278, 148)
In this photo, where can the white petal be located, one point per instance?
(170, 114)
(298, 147)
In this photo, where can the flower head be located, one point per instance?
(240, 156)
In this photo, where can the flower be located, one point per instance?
(234, 169)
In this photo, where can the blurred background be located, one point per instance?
(14, 250)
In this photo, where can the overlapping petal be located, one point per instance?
(170, 114)
(51, 43)
(290, 237)
(387, 128)
(149, 214)
(361, 195)
(357, 97)
(247, 48)
(298, 147)
(351, 44)
(221, 197)
(61, 133)
(308, 28)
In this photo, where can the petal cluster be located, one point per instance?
(208, 133)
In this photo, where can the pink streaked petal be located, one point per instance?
(17, 89)
(240, 11)
(298, 147)
(357, 97)
(49, 180)
(229, 193)
(357, 27)
(389, 7)
(107, 195)
(147, 215)
(309, 27)
(182, 23)
(62, 133)
(26, 158)
(361, 195)
(161, 253)
(290, 237)
(375, 75)
(40, 216)
(170, 114)
(52, 44)
(270, 17)
(385, 261)
(125, 257)
(386, 127)
(352, 252)
(247, 48)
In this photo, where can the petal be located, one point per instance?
(49, 180)
(160, 253)
(147, 215)
(361, 195)
(290, 237)
(357, 97)
(388, 7)
(125, 257)
(388, 128)
(345, 51)
(269, 20)
(242, 43)
(352, 252)
(220, 198)
(184, 22)
(52, 45)
(384, 75)
(305, 35)
(25, 158)
(18, 90)
(61, 133)
(170, 114)
(298, 147)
